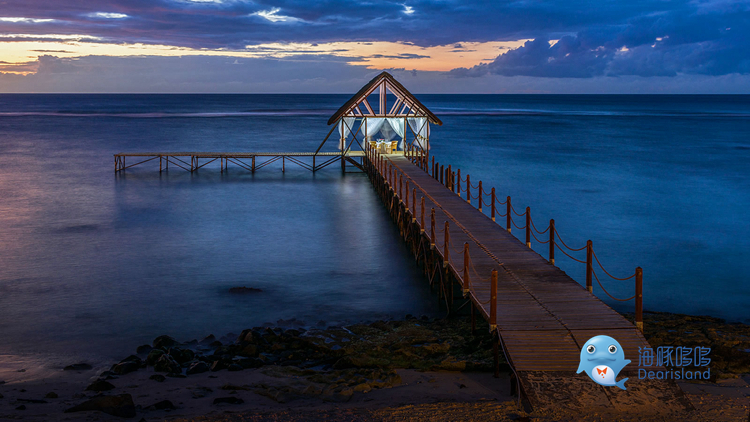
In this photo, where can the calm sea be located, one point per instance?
(94, 264)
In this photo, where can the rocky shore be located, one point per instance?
(385, 370)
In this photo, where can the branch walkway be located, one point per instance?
(542, 317)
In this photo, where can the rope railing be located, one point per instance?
(455, 181)
(393, 177)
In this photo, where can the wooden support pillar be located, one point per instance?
(458, 182)
(160, 164)
(414, 204)
(283, 164)
(589, 265)
(432, 228)
(481, 196)
(466, 277)
(493, 300)
(639, 298)
(492, 195)
(552, 242)
(496, 355)
(508, 216)
(528, 227)
(253, 167)
(446, 245)
(421, 218)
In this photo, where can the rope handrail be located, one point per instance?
(537, 239)
(605, 290)
(516, 212)
(557, 245)
(606, 272)
(514, 223)
(537, 230)
(557, 233)
(394, 173)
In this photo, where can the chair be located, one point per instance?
(373, 145)
(393, 147)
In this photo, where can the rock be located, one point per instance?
(153, 356)
(99, 386)
(250, 351)
(132, 358)
(228, 400)
(120, 406)
(208, 340)
(200, 392)
(181, 356)
(108, 375)
(21, 407)
(197, 368)
(126, 367)
(176, 375)
(143, 349)
(168, 365)
(78, 367)
(360, 362)
(216, 343)
(246, 336)
(251, 363)
(162, 405)
(164, 342)
(32, 401)
(235, 368)
(244, 290)
(158, 378)
(218, 365)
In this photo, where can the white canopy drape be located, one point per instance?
(421, 127)
(373, 126)
(398, 126)
(346, 125)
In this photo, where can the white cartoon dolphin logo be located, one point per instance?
(602, 359)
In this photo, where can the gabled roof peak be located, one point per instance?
(406, 104)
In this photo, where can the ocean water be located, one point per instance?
(94, 264)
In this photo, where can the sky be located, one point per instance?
(334, 46)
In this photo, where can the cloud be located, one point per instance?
(702, 38)
(107, 15)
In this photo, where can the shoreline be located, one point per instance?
(375, 371)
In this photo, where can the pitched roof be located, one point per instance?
(416, 108)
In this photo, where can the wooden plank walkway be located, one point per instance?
(544, 317)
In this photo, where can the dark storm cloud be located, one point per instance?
(699, 38)
(235, 23)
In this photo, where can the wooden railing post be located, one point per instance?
(414, 202)
(639, 298)
(468, 188)
(466, 269)
(458, 181)
(528, 227)
(400, 187)
(442, 172)
(493, 301)
(432, 228)
(448, 183)
(421, 218)
(479, 204)
(552, 242)
(446, 245)
(492, 193)
(433, 166)
(508, 217)
(589, 265)
(406, 197)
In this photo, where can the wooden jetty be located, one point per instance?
(540, 316)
